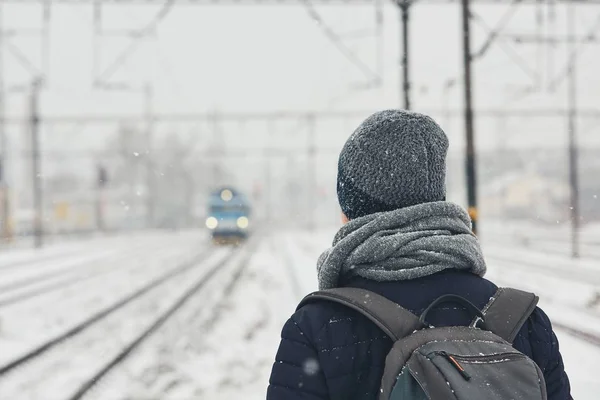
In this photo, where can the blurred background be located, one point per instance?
(139, 138)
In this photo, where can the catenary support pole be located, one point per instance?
(404, 15)
(572, 127)
(471, 161)
(38, 228)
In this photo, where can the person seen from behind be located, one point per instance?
(401, 240)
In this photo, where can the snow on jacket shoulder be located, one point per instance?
(330, 352)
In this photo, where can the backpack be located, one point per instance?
(475, 362)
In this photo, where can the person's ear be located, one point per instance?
(344, 219)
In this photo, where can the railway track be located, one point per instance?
(13, 293)
(582, 275)
(79, 255)
(588, 277)
(541, 236)
(589, 249)
(127, 351)
(161, 290)
(289, 266)
(99, 316)
(578, 333)
(71, 267)
(31, 260)
(74, 258)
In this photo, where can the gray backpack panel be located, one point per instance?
(507, 312)
(373, 306)
(451, 362)
(402, 351)
(465, 369)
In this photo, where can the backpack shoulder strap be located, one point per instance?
(391, 318)
(507, 312)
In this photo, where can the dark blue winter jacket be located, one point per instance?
(331, 352)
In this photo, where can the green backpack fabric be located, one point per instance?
(475, 362)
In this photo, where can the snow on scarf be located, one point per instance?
(403, 244)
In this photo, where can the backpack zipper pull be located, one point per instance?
(457, 365)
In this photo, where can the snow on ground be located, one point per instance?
(14, 257)
(569, 291)
(15, 281)
(581, 365)
(60, 372)
(543, 238)
(34, 320)
(221, 346)
(590, 233)
(232, 353)
(222, 343)
(553, 246)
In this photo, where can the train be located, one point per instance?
(228, 216)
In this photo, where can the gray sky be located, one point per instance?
(276, 57)
(265, 58)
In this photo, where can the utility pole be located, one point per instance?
(312, 171)
(38, 227)
(102, 179)
(218, 147)
(96, 39)
(268, 173)
(5, 206)
(190, 195)
(379, 35)
(471, 167)
(150, 173)
(404, 6)
(46, 38)
(448, 85)
(572, 126)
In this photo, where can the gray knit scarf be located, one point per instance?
(403, 244)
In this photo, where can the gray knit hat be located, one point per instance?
(394, 159)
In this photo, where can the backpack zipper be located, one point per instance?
(456, 365)
(492, 357)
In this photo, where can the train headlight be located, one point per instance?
(212, 223)
(226, 195)
(242, 222)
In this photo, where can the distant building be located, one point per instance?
(526, 196)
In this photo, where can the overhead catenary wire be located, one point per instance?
(588, 37)
(509, 51)
(337, 41)
(574, 55)
(520, 38)
(22, 58)
(286, 114)
(290, 2)
(494, 33)
(141, 33)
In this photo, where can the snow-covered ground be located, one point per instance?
(221, 343)
(31, 314)
(220, 346)
(569, 291)
(549, 238)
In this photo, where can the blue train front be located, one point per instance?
(228, 216)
